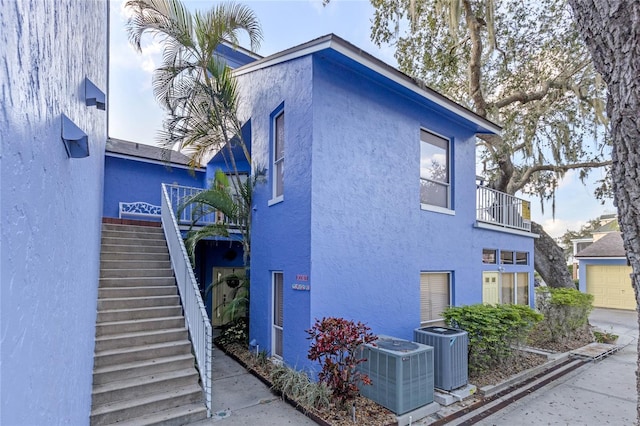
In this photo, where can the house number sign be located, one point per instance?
(299, 286)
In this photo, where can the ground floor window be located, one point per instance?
(435, 296)
(278, 314)
(505, 287)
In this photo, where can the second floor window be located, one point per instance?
(435, 176)
(278, 156)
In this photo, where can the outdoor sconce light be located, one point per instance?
(93, 95)
(76, 142)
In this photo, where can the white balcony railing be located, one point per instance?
(501, 209)
(193, 214)
(196, 318)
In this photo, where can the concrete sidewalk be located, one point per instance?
(599, 393)
(240, 399)
(602, 392)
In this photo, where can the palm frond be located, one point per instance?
(166, 18)
(212, 230)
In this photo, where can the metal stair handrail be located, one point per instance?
(195, 313)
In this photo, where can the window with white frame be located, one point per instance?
(277, 314)
(435, 296)
(278, 156)
(435, 176)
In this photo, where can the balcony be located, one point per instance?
(194, 214)
(502, 210)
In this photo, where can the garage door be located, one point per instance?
(610, 286)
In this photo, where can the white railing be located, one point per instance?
(501, 209)
(195, 313)
(193, 213)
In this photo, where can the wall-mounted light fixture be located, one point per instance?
(93, 95)
(76, 142)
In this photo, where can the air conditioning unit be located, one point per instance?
(401, 373)
(450, 355)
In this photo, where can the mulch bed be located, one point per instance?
(368, 412)
(372, 414)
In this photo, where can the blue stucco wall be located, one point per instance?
(51, 208)
(370, 237)
(281, 233)
(351, 218)
(130, 180)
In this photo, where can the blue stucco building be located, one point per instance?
(371, 210)
(51, 207)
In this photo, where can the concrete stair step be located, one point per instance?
(145, 291)
(130, 228)
(132, 326)
(137, 338)
(118, 247)
(112, 373)
(137, 302)
(135, 264)
(136, 272)
(139, 407)
(149, 233)
(131, 256)
(134, 241)
(178, 416)
(140, 386)
(137, 282)
(139, 313)
(141, 353)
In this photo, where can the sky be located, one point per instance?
(135, 116)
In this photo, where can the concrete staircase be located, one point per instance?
(144, 371)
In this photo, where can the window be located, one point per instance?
(506, 257)
(278, 314)
(434, 296)
(522, 258)
(522, 289)
(434, 170)
(278, 156)
(489, 256)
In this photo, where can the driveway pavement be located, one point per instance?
(598, 393)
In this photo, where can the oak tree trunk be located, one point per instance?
(549, 260)
(611, 30)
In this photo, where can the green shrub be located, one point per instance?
(565, 310)
(493, 331)
(234, 332)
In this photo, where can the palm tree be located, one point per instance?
(199, 93)
(236, 208)
(193, 84)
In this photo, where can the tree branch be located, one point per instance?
(524, 179)
(475, 61)
(526, 97)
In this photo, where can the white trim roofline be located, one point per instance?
(241, 49)
(151, 161)
(331, 41)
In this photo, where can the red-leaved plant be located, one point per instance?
(334, 346)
